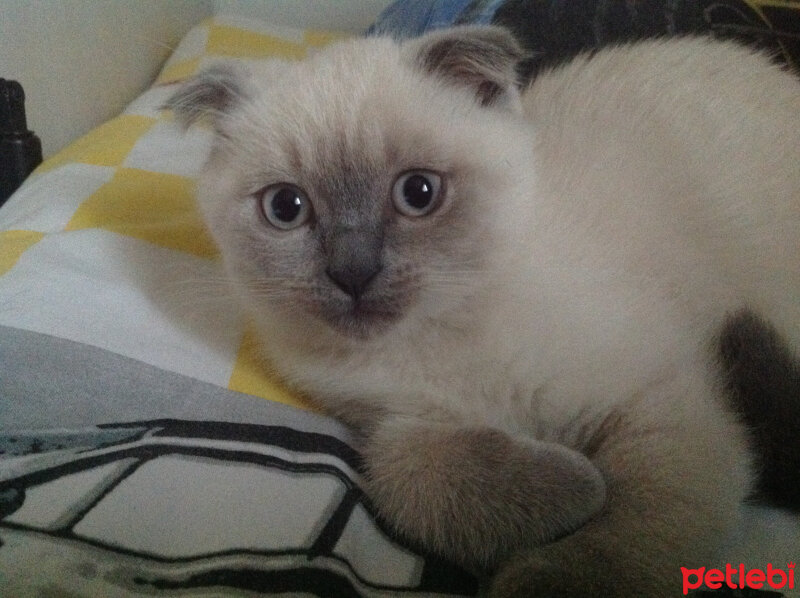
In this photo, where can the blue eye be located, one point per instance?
(417, 193)
(285, 206)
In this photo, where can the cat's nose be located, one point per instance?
(353, 278)
(354, 258)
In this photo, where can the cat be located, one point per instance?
(516, 296)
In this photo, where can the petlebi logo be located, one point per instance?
(738, 577)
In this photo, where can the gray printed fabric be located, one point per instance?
(121, 479)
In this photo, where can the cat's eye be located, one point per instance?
(417, 193)
(285, 206)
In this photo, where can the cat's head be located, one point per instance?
(369, 185)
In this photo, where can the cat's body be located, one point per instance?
(545, 337)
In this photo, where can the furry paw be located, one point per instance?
(477, 495)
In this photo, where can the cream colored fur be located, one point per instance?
(620, 209)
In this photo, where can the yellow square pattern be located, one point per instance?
(224, 40)
(107, 145)
(153, 206)
(13, 243)
(179, 71)
(253, 375)
(318, 39)
(228, 41)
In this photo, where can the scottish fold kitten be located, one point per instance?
(516, 296)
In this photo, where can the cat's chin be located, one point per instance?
(361, 320)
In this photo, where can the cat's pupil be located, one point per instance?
(417, 191)
(286, 205)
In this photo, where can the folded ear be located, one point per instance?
(210, 94)
(481, 58)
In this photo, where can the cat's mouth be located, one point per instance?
(356, 315)
(361, 318)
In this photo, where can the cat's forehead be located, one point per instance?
(327, 87)
(357, 99)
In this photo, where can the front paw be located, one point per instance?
(475, 495)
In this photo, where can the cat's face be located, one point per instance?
(366, 186)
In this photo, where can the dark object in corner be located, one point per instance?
(763, 380)
(555, 31)
(20, 149)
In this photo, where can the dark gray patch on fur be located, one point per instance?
(212, 92)
(354, 259)
(351, 232)
(484, 59)
(763, 381)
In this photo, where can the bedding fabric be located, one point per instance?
(144, 447)
(125, 480)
